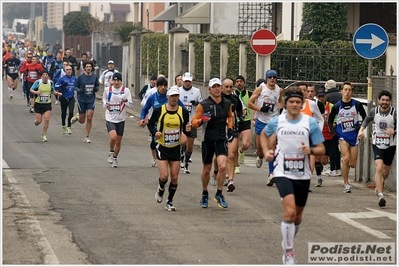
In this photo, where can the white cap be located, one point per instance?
(187, 77)
(214, 81)
(330, 84)
(111, 62)
(173, 91)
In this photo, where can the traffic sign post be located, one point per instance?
(370, 42)
(263, 42)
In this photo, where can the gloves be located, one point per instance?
(230, 135)
(206, 116)
(194, 103)
(265, 108)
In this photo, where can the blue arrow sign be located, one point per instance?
(370, 41)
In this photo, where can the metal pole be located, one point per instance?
(32, 18)
(369, 101)
(263, 67)
(42, 23)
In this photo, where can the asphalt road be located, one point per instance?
(64, 204)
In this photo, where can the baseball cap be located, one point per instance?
(320, 92)
(173, 91)
(50, 50)
(117, 76)
(214, 81)
(240, 77)
(271, 73)
(187, 77)
(330, 84)
(111, 62)
(13, 53)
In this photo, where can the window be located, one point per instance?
(84, 9)
(107, 16)
(254, 16)
(119, 16)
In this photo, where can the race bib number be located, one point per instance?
(382, 141)
(171, 137)
(114, 108)
(189, 107)
(89, 89)
(294, 164)
(44, 98)
(32, 74)
(348, 124)
(270, 105)
(11, 69)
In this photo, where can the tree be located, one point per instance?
(329, 21)
(78, 23)
(125, 29)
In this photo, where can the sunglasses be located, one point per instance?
(29, 57)
(272, 77)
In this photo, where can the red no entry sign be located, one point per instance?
(263, 42)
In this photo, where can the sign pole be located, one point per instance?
(263, 67)
(369, 101)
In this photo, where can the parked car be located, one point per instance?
(7, 31)
(20, 35)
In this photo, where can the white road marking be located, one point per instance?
(347, 217)
(49, 255)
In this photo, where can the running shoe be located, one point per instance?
(240, 156)
(115, 163)
(230, 186)
(153, 162)
(319, 182)
(338, 173)
(259, 162)
(289, 259)
(186, 170)
(68, 130)
(237, 170)
(11, 97)
(57, 102)
(31, 110)
(44, 138)
(87, 140)
(204, 201)
(381, 201)
(63, 129)
(75, 118)
(220, 200)
(214, 179)
(36, 124)
(327, 173)
(169, 206)
(347, 188)
(110, 157)
(159, 194)
(270, 180)
(226, 181)
(190, 160)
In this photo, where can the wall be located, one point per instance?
(225, 18)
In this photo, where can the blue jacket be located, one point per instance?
(66, 86)
(86, 88)
(154, 101)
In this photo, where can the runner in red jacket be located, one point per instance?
(32, 71)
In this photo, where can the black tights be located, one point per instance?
(67, 103)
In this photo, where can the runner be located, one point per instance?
(166, 125)
(115, 99)
(41, 90)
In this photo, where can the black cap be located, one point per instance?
(320, 92)
(240, 77)
(162, 81)
(153, 77)
(117, 76)
(44, 71)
